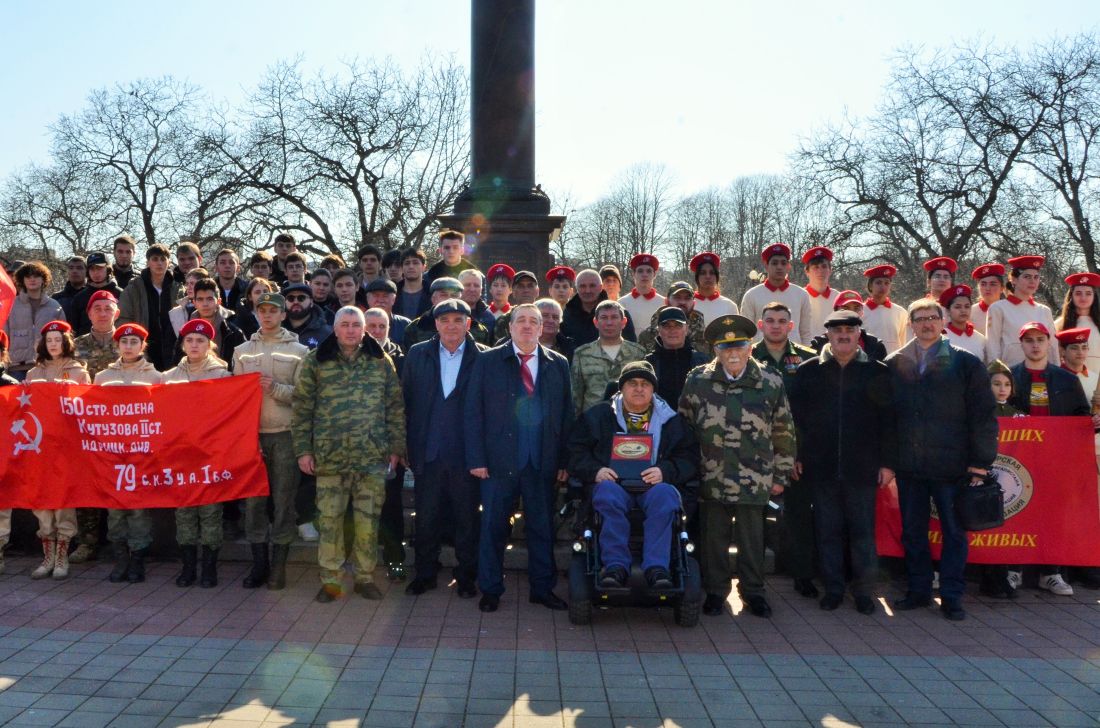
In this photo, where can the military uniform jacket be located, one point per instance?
(745, 432)
(348, 413)
(592, 370)
(696, 338)
(794, 355)
(96, 354)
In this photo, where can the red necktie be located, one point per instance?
(525, 373)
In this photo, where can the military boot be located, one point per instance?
(277, 578)
(190, 556)
(257, 576)
(136, 573)
(122, 562)
(49, 551)
(61, 559)
(83, 553)
(209, 578)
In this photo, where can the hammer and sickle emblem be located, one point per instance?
(30, 444)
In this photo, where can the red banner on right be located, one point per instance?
(1047, 469)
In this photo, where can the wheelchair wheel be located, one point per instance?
(580, 591)
(687, 610)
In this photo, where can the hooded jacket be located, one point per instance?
(279, 357)
(59, 370)
(140, 372)
(23, 327)
(209, 368)
(313, 331)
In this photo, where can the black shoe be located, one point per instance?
(368, 591)
(952, 610)
(613, 577)
(276, 579)
(759, 607)
(806, 588)
(489, 602)
(550, 601)
(418, 586)
(327, 594)
(713, 605)
(466, 589)
(257, 575)
(189, 573)
(209, 578)
(396, 572)
(135, 574)
(658, 578)
(912, 601)
(122, 563)
(865, 605)
(829, 602)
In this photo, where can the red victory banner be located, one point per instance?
(165, 446)
(1047, 469)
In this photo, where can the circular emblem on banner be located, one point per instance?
(1016, 484)
(630, 450)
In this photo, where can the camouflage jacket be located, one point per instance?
(349, 414)
(592, 370)
(788, 363)
(745, 432)
(696, 326)
(95, 355)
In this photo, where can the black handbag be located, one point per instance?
(980, 507)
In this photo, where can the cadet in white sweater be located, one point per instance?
(882, 318)
(818, 261)
(1082, 307)
(990, 281)
(642, 301)
(709, 300)
(1007, 316)
(778, 287)
(959, 329)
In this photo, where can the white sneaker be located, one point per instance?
(1015, 579)
(1055, 584)
(307, 532)
(935, 580)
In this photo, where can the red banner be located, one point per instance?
(1047, 469)
(165, 446)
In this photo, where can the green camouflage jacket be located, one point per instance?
(349, 414)
(591, 370)
(96, 356)
(696, 326)
(787, 364)
(745, 432)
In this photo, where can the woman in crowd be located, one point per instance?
(1081, 310)
(30, 311)
(1019, 307)
(184, 308)
(245, 319)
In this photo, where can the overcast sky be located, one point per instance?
(712, 90)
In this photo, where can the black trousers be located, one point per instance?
(444, 492)
(391, 521)
(797, 531)
(840, 508)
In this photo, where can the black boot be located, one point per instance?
(122, 562)
(136, 573)
(277, 579)
(190, 556)
(209, 568)
(257, 577)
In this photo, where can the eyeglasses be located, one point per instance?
(297, 299)
(926, 319)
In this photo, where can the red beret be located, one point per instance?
(952, 293)
(1024, 262)
(197, 326)
(818, 251)
(942, 263)
(1072, 336)
(100, 295)
(701, 258)
(775, 249)
(501, 269)
(1033, 326)
(61, 326)
(644, 259)
(881, 271)
(987, 269)
(846, 297)
(561, 271)
(131, 330)
(1083, 279)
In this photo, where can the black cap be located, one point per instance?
(451, 305)
(295, 288)
(382, 285)
(843, 317)
(638, 370)
(97, 258)
(671, 313)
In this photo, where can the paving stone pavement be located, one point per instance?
(87, 653)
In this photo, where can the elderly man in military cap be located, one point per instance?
(423, 326)
(740, 416)
(682, 296)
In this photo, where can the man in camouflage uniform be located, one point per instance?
(348, 421)
(96, 349)
(740, 416)
(599, 362)
(682, 296)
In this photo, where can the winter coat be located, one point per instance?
(59, 370)
(311, 332)
(140, 372)
(576, 323)
(1064, 390)
(65, 297)
(211, 367)
(23, 327)
(279, 357)
(671, 367)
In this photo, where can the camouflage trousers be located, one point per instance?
(87, 525)
(283, 477)
(5, 526)
(365, 491)
(199, 525)
(135, 527)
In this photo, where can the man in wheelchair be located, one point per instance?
(656, 485)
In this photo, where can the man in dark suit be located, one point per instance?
(519, 414)
(435, 381)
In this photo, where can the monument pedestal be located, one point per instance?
(520, 240)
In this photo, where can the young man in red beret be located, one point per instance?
(642, 302)
(818, 262)
(989, 281)
(778, 287)
(959, 331)
(709, 300)
(883, 318)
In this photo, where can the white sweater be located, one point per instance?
(1003, 329)
(712, 308)
(796, 299)
(887, 323)
(821, 305)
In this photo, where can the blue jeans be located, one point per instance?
(914, 496)
(659, 504)
(498, 497)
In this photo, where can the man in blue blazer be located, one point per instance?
(519, 406)
(435, 379)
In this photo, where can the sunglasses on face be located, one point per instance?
(296, 299)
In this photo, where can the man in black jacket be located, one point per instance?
(847, 445)
(99, 279)
(674, 461)
(852, 301)
(672, 358)
(578, 321)
(944, 408)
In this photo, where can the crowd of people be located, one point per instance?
(493, 395)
